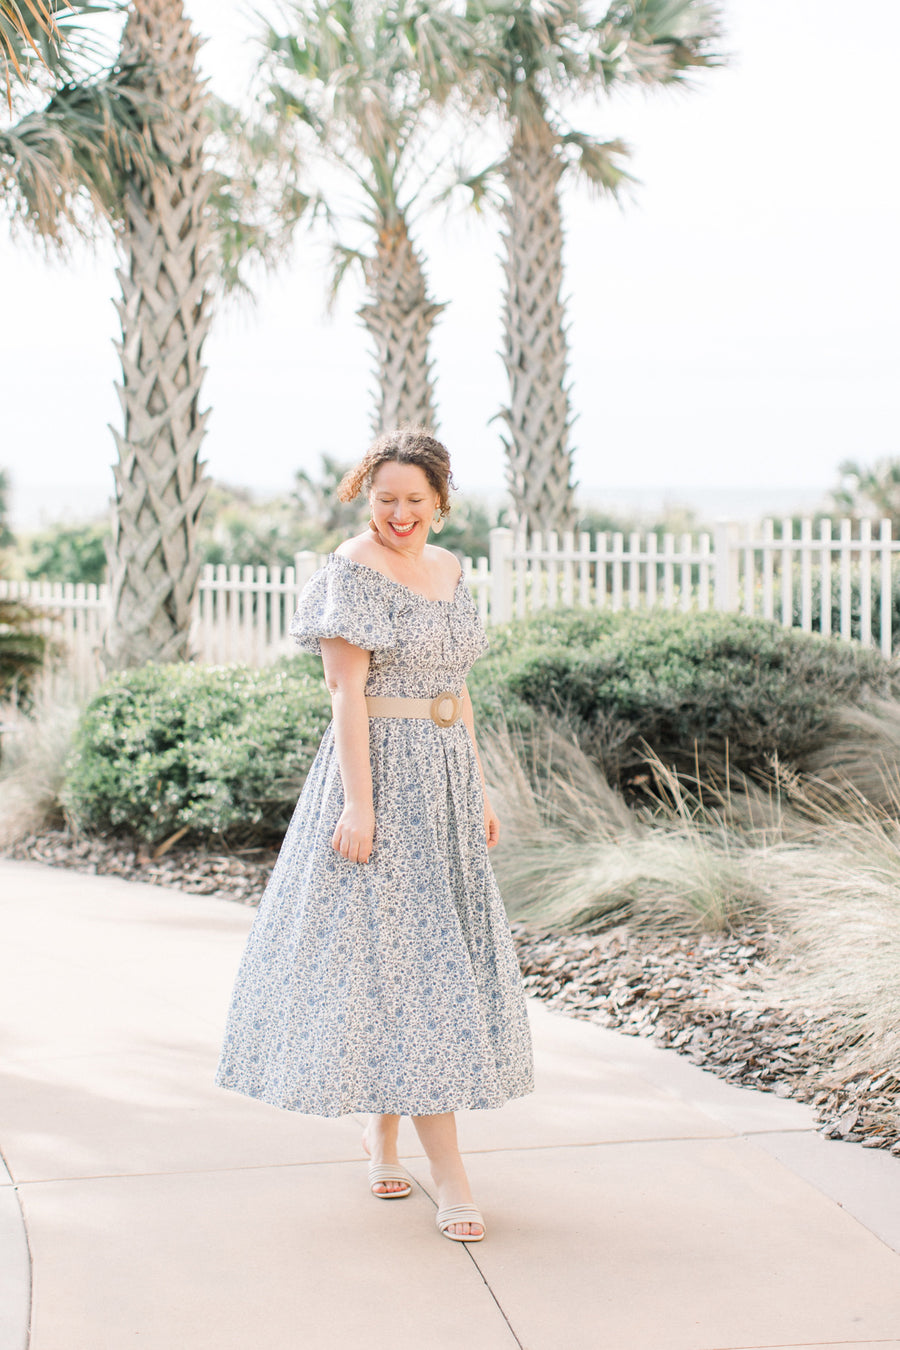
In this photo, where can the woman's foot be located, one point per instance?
(380, 1142)
(453, 1189)
(438, 1136)
(461, 1223)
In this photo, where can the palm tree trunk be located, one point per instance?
(535, 350)
(164, 312)
(399, 317)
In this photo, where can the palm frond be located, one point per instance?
(257, 199)
(659, 41)
(482, 187)
(600, 163)
(45, 43)
(343, 259)
(21, 27)
(65, 162)
(519, 47)
(435, 39)
(23, 650)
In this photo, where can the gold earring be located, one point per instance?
(437, 523)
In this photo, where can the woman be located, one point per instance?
(380, 974)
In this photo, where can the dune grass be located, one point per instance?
(864, 755)
(808, 855)
(576, 855)
(32, 768)
(836, 904)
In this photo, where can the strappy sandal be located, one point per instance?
(379, 1172)
(454, 1214)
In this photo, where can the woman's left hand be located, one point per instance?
(491, 825)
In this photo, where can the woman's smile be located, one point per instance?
(402, 500)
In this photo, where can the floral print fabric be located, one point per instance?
(390, 986)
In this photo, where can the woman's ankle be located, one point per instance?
(449, 1174)
(382, 1132)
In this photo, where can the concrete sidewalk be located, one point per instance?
(632, 1203)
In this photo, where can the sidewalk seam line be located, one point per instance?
(471, 1255)
(851, 1213)
(410, 1158)
(332, 1163)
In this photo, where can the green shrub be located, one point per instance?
(513, 644)
(68, 553)
(680, 681)
(552, 628)
(212, 750)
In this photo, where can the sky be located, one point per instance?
(734, 326)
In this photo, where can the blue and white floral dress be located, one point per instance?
(390, 986)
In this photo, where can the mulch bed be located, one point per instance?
(700, 996)
(240, 875)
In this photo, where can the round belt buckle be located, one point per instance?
(445, 709)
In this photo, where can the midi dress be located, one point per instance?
(390, 986)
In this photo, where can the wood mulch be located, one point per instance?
(701, 996)
(704, 996)
(240, 875)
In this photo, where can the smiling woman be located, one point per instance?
(407, 476)
(380, 974)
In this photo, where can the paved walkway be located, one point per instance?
(632, 1203)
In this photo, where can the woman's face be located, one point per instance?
(403, 504)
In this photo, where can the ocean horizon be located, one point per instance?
(37, 508)
(708, 504)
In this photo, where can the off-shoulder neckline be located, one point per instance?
(351, 562)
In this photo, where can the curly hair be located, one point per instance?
(406, 445)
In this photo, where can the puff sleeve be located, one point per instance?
(347, 600)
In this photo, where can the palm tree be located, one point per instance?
(122, 143)
(164, 310)
(344, 73)
(527, 58)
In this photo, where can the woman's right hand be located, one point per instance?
(354, 833)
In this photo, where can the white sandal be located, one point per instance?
(379, 1172)
(454, 1214)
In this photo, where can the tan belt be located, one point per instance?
(443, 710)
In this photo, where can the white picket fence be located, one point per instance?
(243, 614)
(762, 571)
(73, 618)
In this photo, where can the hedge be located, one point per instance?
(687, 685)
(225, 750)
(211, 750)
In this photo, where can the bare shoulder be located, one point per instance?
(362, 548)
(445, 563)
